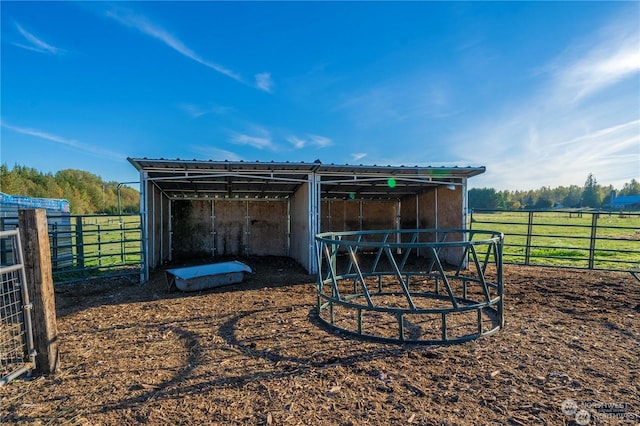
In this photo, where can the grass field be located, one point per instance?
(96, 246)
(562, 238)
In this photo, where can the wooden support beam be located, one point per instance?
(37, 261)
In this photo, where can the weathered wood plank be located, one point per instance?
(37, 260)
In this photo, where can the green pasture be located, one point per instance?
(562, 238)
(97, 246)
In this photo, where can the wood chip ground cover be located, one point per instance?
(254, 353)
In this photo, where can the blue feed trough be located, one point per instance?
(203, 277)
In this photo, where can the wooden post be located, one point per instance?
(37, 261)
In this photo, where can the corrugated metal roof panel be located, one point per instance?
(232, 179)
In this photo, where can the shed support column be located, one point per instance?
(152, 236)
(465, 209)
(213, 228)
(398, 220)
(314, 220)
(161, 251)
(144, 215)
(418, 220)
(288, 240)
(247, 229)
(170, 231)
(465, 206)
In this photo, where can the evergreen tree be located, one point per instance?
(591, 195)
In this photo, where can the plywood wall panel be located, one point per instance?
(408, 212)
(378, 215)
(427, 209)
(192, 230)
(230, 226)
(268, 228)
(450, 208)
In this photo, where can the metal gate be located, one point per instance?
(17, 354)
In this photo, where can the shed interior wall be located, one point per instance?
(156, 224)
(207, 228)
(192, 230)
(268, 226)
(357, 215)
(196, 228)
(450, 215)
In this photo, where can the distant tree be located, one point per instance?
(9, 182)
(485, 198)
(591, 195)
(514, 205)
(630, 188)
(528, 202)
(543, 203)
(86, 192)
(572, 196)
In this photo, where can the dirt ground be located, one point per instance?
(254, 354)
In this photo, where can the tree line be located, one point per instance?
(591, 195)
(89, 194)
(86, 192)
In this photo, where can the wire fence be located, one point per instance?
(90, 246)
(17, 355)
(566, 238)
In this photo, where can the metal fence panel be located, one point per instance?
(17, 355)
(89, 246)
(92, 246)
(566, 238)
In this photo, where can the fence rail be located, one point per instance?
(89, 246)
(577, 239)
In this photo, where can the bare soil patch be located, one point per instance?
(254, 353)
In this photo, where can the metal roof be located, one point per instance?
(625, 201)
(243, 179)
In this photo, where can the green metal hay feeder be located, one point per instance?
(421, 286)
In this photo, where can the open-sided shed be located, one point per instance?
(194, 208)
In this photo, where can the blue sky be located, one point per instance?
(541, 93)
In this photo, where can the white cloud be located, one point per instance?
(259, 142)
(315, 140)
(582, 119)
(195, 111)
(36, 44)
(91, 149)
(555, 154)
(264, 82)
(297, 142)
(320, 141)
(614, 57)
(216, 154)
(358, 156)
